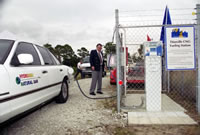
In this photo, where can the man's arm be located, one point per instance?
(92, 59)
(79, 66)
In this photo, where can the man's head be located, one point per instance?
(99, 47)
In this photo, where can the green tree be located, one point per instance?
(139, 55)
(58, 52)
(110, 48)
(67, 52)
(51, 49)
(140, 51)
(69, 57)
(64, 53)
(83, 52)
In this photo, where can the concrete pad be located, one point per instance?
(155, 120)
(149, 118)
(167, 104)
(171, 112)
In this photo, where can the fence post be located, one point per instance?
(198, 56)
(118, 58)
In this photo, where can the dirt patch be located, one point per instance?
(155, 130)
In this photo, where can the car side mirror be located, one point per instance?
(25, 59)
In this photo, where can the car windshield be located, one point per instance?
(86, 60)
(5, 47)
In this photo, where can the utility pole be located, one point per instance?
(118, 44)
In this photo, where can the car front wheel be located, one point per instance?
(63, 95)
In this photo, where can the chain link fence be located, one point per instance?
(177, 85)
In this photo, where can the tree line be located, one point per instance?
(66, 55)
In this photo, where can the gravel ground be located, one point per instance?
(78, 116)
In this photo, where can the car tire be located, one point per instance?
(64, 93)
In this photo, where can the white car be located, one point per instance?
(29, 76)
(86, 68)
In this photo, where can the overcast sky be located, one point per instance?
(79, 23)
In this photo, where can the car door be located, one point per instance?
(29, 83)
(5, 47)
(55, 70)
(4, 93)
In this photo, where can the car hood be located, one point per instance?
(85, 65)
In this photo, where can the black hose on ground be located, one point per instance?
(124, 107)
(96, 97)
(92, 97)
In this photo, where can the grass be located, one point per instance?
(78, 77)
(110, 104)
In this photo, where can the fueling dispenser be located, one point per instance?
(153, 73)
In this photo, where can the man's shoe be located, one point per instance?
(99, 92)
(92, 93)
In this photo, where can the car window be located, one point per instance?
(54, 58)
(25, 48)
(48, 60)
(86, 60)
(5, 47)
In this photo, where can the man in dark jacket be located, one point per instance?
(97, 66)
